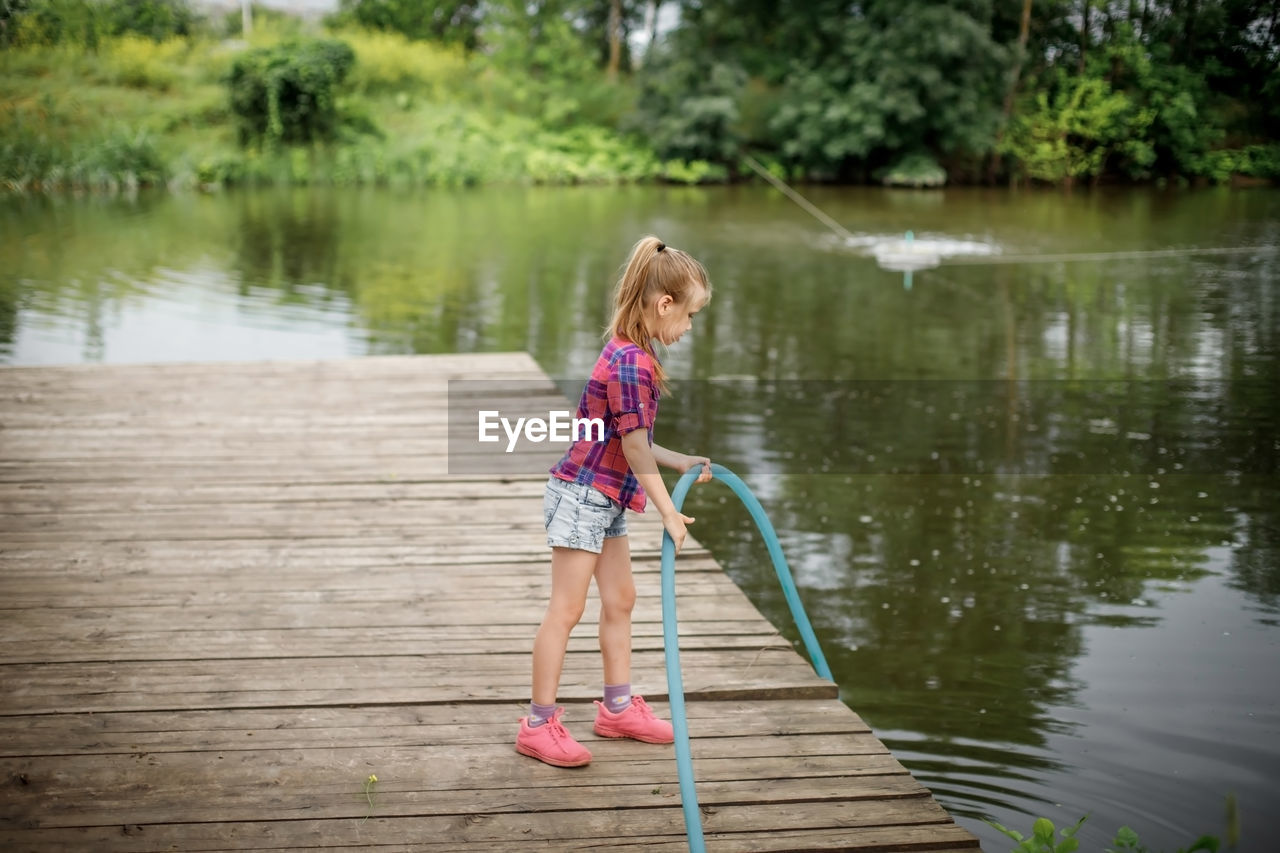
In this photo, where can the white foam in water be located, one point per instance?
(906, 255)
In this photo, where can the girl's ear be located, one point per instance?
(664, 303)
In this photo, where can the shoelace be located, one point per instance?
(556, 729)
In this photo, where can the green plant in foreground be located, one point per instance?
(1042, 837)
(1125, 841)
(368, 794)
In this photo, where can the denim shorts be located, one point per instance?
(581, 517)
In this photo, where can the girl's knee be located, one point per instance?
(565, 614)
(619, 602)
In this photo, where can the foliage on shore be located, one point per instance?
(116, 110)
(123, 93)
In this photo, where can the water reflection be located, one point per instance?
(1032, 508)
(287, 243)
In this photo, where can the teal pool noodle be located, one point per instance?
(671, 638)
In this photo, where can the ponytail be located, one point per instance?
(654, 269)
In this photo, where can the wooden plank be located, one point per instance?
(251, 800)
(88, 590)
(938, 838)
(385, 725)
(319, 781)
(917, 829)
(175, 643)
(128, 556)
(886, 798)
(385, 587)
(90, 497)
(175, 573)
(307, 682)
(933, 839)
(374, 607)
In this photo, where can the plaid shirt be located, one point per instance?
(622, 393)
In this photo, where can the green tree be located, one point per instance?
(286, 93)
(155, 19)
(450, 21)
(834, 91)
(544, 61)
(928, 78)
(1070, 131)
(688, 105)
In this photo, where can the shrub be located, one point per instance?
(34, 157)
(286, 93)
(1073, 129)
(142, 63)
(452, 21)
(914, 170)
(688, 106)
(157, 20)
(390, 62)
(50, 22)
(86, 22)
(693, 172)
(1252, 161)
(122, 157)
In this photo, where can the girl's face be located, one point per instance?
(673, 318)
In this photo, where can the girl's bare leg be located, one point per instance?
(617, 599)
(571, 572)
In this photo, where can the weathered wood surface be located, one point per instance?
(231, 592)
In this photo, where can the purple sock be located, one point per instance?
(617, 697)
(539, 714)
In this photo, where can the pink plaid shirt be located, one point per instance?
(622, 393)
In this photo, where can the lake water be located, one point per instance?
(1030, 496)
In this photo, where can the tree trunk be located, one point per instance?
(615, 38)
(1024, 28)
(650, 31)
(1084, 33)
(1189, 30)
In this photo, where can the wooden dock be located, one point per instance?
(231, 593)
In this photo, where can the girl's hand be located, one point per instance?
(674, 523)
(686, 462)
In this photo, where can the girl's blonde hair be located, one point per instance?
(653, 269)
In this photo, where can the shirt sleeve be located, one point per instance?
(630, 391)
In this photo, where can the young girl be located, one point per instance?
(591, 488)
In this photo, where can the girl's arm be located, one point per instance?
(644, 461)
(682, 462)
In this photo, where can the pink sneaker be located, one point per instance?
(636, 721)
(551, 743)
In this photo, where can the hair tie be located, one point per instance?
(661, 245)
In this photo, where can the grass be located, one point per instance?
(137, 112)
